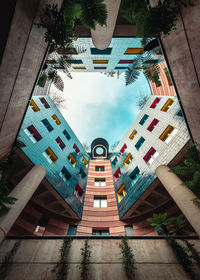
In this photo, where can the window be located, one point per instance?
(50, 156)
(78, 192)
(139, 143)
(180, 113)
(168, 134)
(114, 161)
(103, 232)
(76, 149)
(96, 68)
(56, 119)
(34, 107)
(99, 182)
(100, 61)
(44, 102)
(75, 61)
(120, 67)
(153, 125)
(143, 120)
(96, 51)
(123, 149)
(126, 61)
(128, 159)
(100, 202)
(150, 156)
(47, 125)
(82, 174)
(66, 134)
(156, 101)
(72, 159)
(79, 67)
(64, 174)
(129, 230)
(134, 51)
(72, 230)
(85, 161)
(168, 104)
(99, 168)
(33, 134)
(117, 174)
(60, 143)
(41, 226)
(121, 193)
(134, 176)
(133, 134)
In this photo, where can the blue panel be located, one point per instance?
(143, 120)
(75, 61)
(139, 143)
(120, 67)
(96, 51)
(72, 230)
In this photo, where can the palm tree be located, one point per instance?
(159, 222)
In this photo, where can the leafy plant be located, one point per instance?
(142, 100)
(42, 79)
(178, 225)
(128, 259)
(181, 254)
(195, 254)
(86, 255)
(191, 167)
(6, 261)
(159, 222)
(62, 267)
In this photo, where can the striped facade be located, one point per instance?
(100, 218)
(166, 87)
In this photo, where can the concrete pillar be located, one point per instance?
(23, 192)
(181, 195)
(102, 35)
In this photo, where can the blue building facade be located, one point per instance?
(50, 141)
(155, 137)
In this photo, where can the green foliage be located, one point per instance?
(128, 259)
(6, 261)
(86, 255)
(42, 79)
(155, 21)
(142, 100)
(56, 79)
(60, 24)
(132, 73)
(181, 254)
(191, 167)
(159, 222)
(62, 266)
(194, 253)
(178, 225)
(6, 168)
(93, 12)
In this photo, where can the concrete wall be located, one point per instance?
(182, 48)
(23, 54)
(36, 258)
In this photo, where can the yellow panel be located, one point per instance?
(168, 104)
(134, 51)
(121, 193)
(166, 132)
(34, 106)
(72, 159)
(133, 134)
(56, 119)
(85, 161)
(128, 159)
(100, 61)
(79, 67)
(51, 155)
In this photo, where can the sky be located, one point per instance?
(101, 106)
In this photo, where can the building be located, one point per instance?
(116, 58)
(155, 138)
(164, 85)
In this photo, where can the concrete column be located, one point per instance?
(23, 192)
(102, 35)
(181, 195)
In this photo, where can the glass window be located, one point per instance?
(76, 149)
(44, 102)
(47, 125)
(150, 156)
(103, 232)
(134, 51)
(121, 193)
(139, 143)
(64, 174)
(117, 174)
(143, 120)
(168, 134)
(60, 143)
(33, 105)
(123, 149)
(33, 134)
(66, 134)
(78, 192)
(99, 168)
(50, 156)
(72, 230)
(128, 159)
(100, 202)
(134, 176)
(133, 134)
(100, 61)
(56, 119)
(156, 101)
(99, 182)
(96, 51)
(168, 104)
(153, 125)
(72, 159)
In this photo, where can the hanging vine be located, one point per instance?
(128, 259)
(6, 262)
(84, 266)
(62, 267)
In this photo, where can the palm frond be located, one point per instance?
(132, 73)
